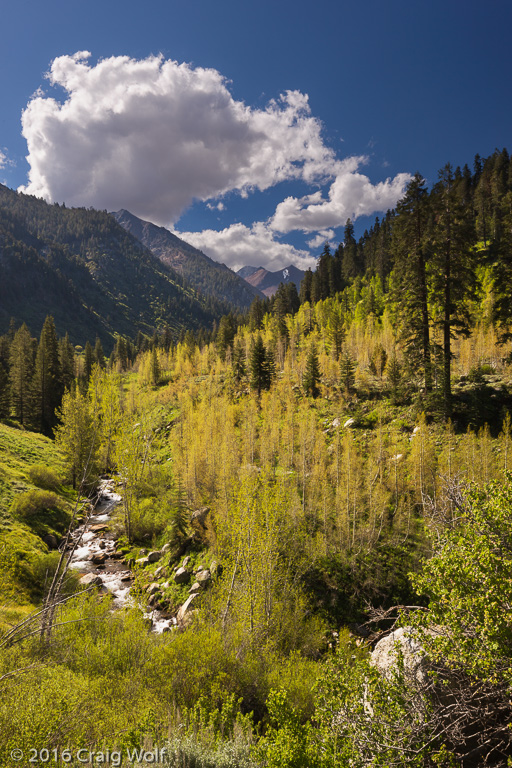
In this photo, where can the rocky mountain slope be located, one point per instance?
(207, 276)
(268, 282)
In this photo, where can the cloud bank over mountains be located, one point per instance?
(240, 245)
(154, 136)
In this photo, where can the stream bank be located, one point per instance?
(101, 564)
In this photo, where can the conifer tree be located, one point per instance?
(67, 362)
(99, 356)
(155, 372)
(347, 372)
(238, 361)
(502, 272)
(256, 313)
(394, 377)
(88, 362)
(121, 352)
(349, 265)
(305, 287)
(280, 309)
(5, 390)
(335, 330)
(410, 276)
(452, 238)
(260, 366)
(21, 376)
(323, 273)
(312, 373)
(48, 386)
(225, 335)
(5, 393)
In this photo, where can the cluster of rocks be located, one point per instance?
(97, 553)
(182, 574)
(336, 423)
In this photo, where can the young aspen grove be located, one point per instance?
(313, 497)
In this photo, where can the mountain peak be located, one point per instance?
(268, 282)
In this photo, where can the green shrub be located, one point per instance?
(41, 571)
(149, 518)
(44, 477)
(193, 751)
(478, 372)
(31, 504)
(288, 742)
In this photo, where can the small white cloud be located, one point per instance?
(324, 236)
(239, 245)
(5, 160)
(351, 195)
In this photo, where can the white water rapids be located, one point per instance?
(95, 541)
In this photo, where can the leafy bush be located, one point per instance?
(44, 477)
(288, 742)
(477, 373)
(31, 504)
(191, 751)
(149, 519)
(41, 571)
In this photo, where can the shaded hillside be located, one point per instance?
(93, 276)
(205, 275)
(268, 282)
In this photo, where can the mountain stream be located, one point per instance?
(97, 560)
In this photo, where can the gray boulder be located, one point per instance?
(91, 580)
(182, 576)
(98, 558)
(51, 541)
(199, 516)
(185, 609)
(402, 642)
(203, 577)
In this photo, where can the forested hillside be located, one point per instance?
(94, 278)
(206, 276)
(314, 504)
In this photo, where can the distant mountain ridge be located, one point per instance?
(268, 282)
(86, 270)
(205, 275)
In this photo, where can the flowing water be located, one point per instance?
(96, 553)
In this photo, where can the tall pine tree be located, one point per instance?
(21, 376)
(410, 276)
(453, 237)
(48, 386)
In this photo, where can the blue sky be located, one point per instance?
(200, 139)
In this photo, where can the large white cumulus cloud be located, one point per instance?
(153, 135)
